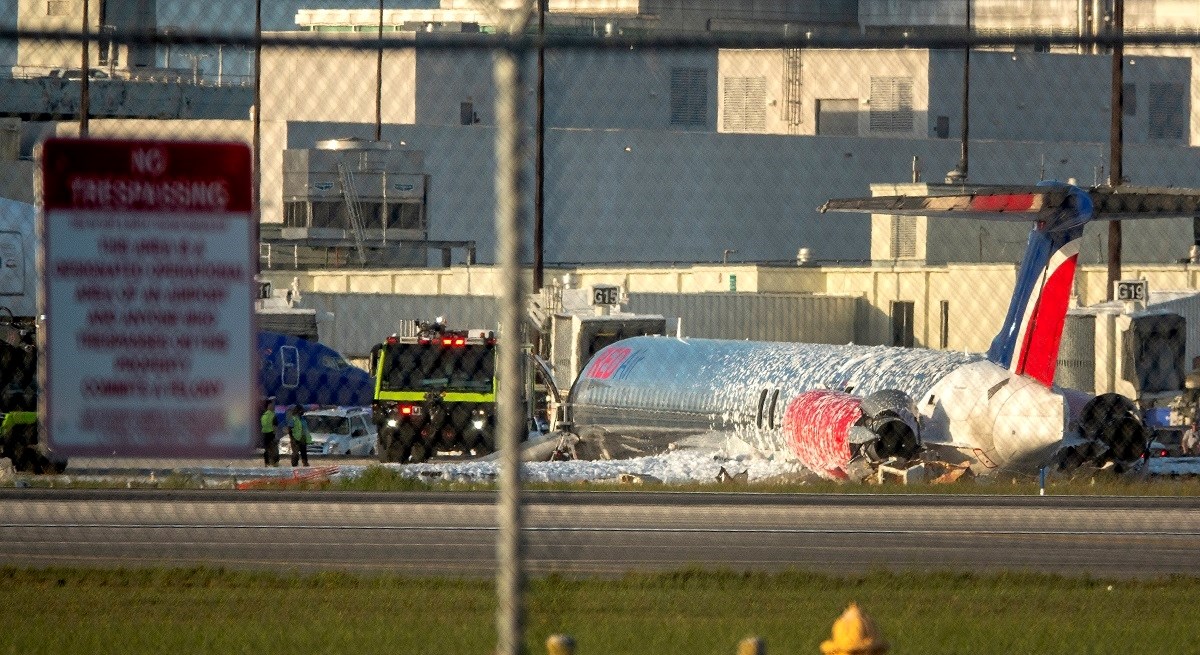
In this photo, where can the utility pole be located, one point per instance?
(540, 161)
(84, 91)
(959, 174)
(257, 137)
(1116, 139)
(379, 81)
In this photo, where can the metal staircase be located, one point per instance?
(346, 177)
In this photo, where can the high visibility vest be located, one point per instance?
(268, 421)
(300, 430)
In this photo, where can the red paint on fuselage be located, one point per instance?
(816, 425)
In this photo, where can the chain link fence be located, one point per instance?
(559, 182)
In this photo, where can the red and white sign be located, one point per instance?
(148, 279)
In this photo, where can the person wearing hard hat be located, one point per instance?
(854, 633)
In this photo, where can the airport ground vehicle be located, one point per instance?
(18, 402)
(338, 431)
(435, 389)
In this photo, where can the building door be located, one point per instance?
(902, 323)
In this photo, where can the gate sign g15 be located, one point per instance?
(148, 281)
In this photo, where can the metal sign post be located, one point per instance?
(148, 261)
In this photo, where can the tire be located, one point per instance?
(394, 452)
(420, 452)
(483, 446)
(27, 459)
(394, 445)
(487, 440)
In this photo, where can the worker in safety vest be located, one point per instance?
(269, 423)
(301, 437)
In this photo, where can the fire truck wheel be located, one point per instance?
(420, 452)
(482, 446)
(487, 440)
(27, 459)
(393, 452)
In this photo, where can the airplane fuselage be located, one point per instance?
(763, 393)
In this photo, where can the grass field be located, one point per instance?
(210, 611)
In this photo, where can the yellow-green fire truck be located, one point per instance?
(435, 390)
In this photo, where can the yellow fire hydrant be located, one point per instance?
(854, 633)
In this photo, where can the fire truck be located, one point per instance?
(435, 389)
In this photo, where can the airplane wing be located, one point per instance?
(1127, 201)
(1025, 203)
(1006, 203)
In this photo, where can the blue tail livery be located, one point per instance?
(300, 372)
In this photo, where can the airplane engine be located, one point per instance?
(826, 430)
(1114, 420)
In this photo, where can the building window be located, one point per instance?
(745, 102)
(689, 96)
(837, 117)
(942, 127)
(902, 323)
(1129, 99)
(295, 214)
(891, 104)
(58, 7)
(329, 214)
(944, 332)
(466, 113)
(1168, 111)
(904, 237)
(404, 216)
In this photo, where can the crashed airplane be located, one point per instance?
(842, 411)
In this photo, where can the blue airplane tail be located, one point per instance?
(296, 371)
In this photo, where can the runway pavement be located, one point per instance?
(453, 533)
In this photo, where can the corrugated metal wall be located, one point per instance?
(1077, 354)
(360, 321)
(1189, 308)
(758, 317)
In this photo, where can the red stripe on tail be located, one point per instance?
(1038, 356)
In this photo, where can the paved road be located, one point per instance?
(600, 533)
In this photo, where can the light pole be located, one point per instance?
(959, 174)
(257, 129)
(1116, 137)
(379, 80)
(540, 161)
(84, 91)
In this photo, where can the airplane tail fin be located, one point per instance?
(1028, 341)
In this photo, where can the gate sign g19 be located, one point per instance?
(148, 253)
(1132, 290)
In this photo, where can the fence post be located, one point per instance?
(510, 215)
